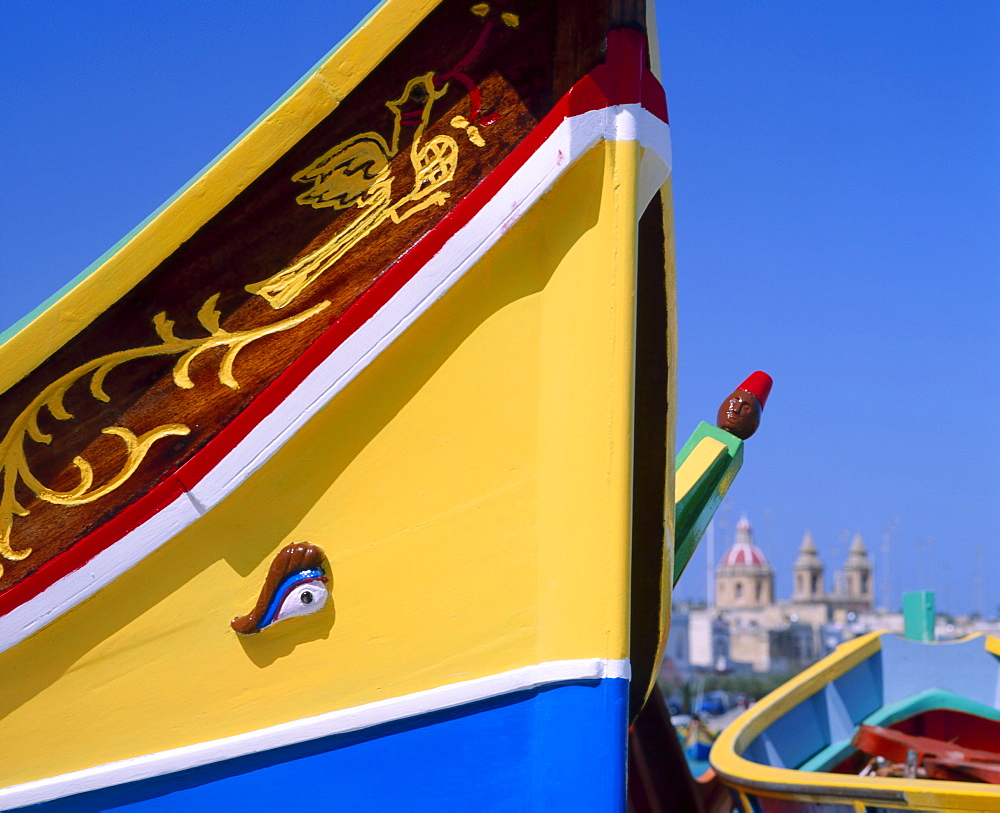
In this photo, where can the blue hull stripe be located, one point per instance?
(561, 747)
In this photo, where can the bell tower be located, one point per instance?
(808, 572)
(858, 585)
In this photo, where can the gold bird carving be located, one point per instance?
(344, 173)
(357, 173)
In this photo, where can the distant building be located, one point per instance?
(749, 628)
(744, 578)
(808, 572)
(859, 590)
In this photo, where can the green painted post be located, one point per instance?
(918, 615)
(696, 508)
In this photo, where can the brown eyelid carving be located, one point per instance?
(290, 559)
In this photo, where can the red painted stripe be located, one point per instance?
(149, 504)
(623, 79)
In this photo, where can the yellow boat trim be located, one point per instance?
(698, 462)
(217, 186)
(820, 787)
(752, 722)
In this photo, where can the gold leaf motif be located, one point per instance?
(13, 461)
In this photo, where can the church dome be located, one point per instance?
(744, 553)
(744, 579)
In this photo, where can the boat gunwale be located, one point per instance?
(817, 786)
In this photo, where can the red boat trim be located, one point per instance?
(893, 745)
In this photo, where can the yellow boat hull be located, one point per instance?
(459, 461)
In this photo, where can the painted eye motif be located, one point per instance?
(296, 584)
(305, 593)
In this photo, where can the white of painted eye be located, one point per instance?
(303, 599)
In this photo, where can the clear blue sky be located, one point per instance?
(837, 190)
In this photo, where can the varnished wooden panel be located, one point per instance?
(520, 64)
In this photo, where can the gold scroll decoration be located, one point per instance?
(13, 461)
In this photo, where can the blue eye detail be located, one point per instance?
(296, 584)
(300, 593)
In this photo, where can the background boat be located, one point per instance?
(793, 750)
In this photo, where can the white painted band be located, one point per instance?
(311, 728)
(570, 140)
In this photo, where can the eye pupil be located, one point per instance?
(307, 597)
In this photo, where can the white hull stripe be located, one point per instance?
(568, 142)
(311, 728)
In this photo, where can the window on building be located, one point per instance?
(759, 588)
(739, 590)
(815, 584)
